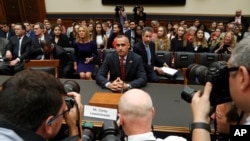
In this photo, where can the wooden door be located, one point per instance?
(34, 10)
(20, 10)
(13, 10)
(2, 11)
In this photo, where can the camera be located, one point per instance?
(108, 132)
(71, 86)
(217, 73)
(117, 8)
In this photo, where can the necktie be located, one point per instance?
(148, 54)
(122, 69)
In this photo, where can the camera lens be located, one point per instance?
(196, 74)
(71, 86)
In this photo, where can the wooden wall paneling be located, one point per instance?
(34, 10)
(13, 10)
(2, 11)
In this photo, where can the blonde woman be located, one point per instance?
(199, 43)
(227, 44)
(161, 41)
(85, 53)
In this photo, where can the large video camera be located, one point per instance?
(217, 73)
(118, 8)
(109, 132)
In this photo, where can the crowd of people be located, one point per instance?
(132, 64)
(90, 38)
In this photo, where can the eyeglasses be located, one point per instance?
(57, 116)
(233, 69)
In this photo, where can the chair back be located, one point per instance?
(49, 66)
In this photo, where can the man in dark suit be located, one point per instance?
(49, 51)
(17, 51)
(239, 19)
(131, 33)
(135, 75)
(7, 31)
(146, 49)
(29, 31)
(40, 36)
(3, 45)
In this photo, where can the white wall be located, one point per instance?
(194, 7)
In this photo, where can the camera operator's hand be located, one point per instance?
(201, 104)
(72, 116)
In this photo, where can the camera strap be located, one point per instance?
(240, 117)
(78, 120)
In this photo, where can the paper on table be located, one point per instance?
(169, 71)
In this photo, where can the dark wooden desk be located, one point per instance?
(172, 113)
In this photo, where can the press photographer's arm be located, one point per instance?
(74, 117)
(201, 109)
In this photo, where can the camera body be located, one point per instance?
(71, 86)
(217, 73)
(108, 132)
(118, 8)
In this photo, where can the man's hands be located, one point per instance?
(72, 116)
(201, 104)
(118, 85)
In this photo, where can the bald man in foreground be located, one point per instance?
(136, 113)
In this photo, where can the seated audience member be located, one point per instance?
(60, 22)
(85, 54)
(131, 33)
(50, 51)
(7, 32)
(17, 51)
(32, 108)
(138, 33)
(29, 31)
(101, 40)
(179, 42)
(190, 34)
(199, 43)
(146, 49)
(214, 39)
(161, 41)
(3, 45)
(39, 31)
(124, 74)
(49, 29)
(73, 34)
(136, 113)
(117, 30)
(212, 27)
(226, 45)
(155, 25)
(59, 38)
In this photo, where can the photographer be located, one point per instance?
(32, 108)
(136, 113)
(139, 14)
(120, 14)
(239, 84)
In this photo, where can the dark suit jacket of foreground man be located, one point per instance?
(135, 73)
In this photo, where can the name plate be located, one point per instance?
(100, 112)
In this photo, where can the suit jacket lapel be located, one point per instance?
(116, 63)
(129, 62)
